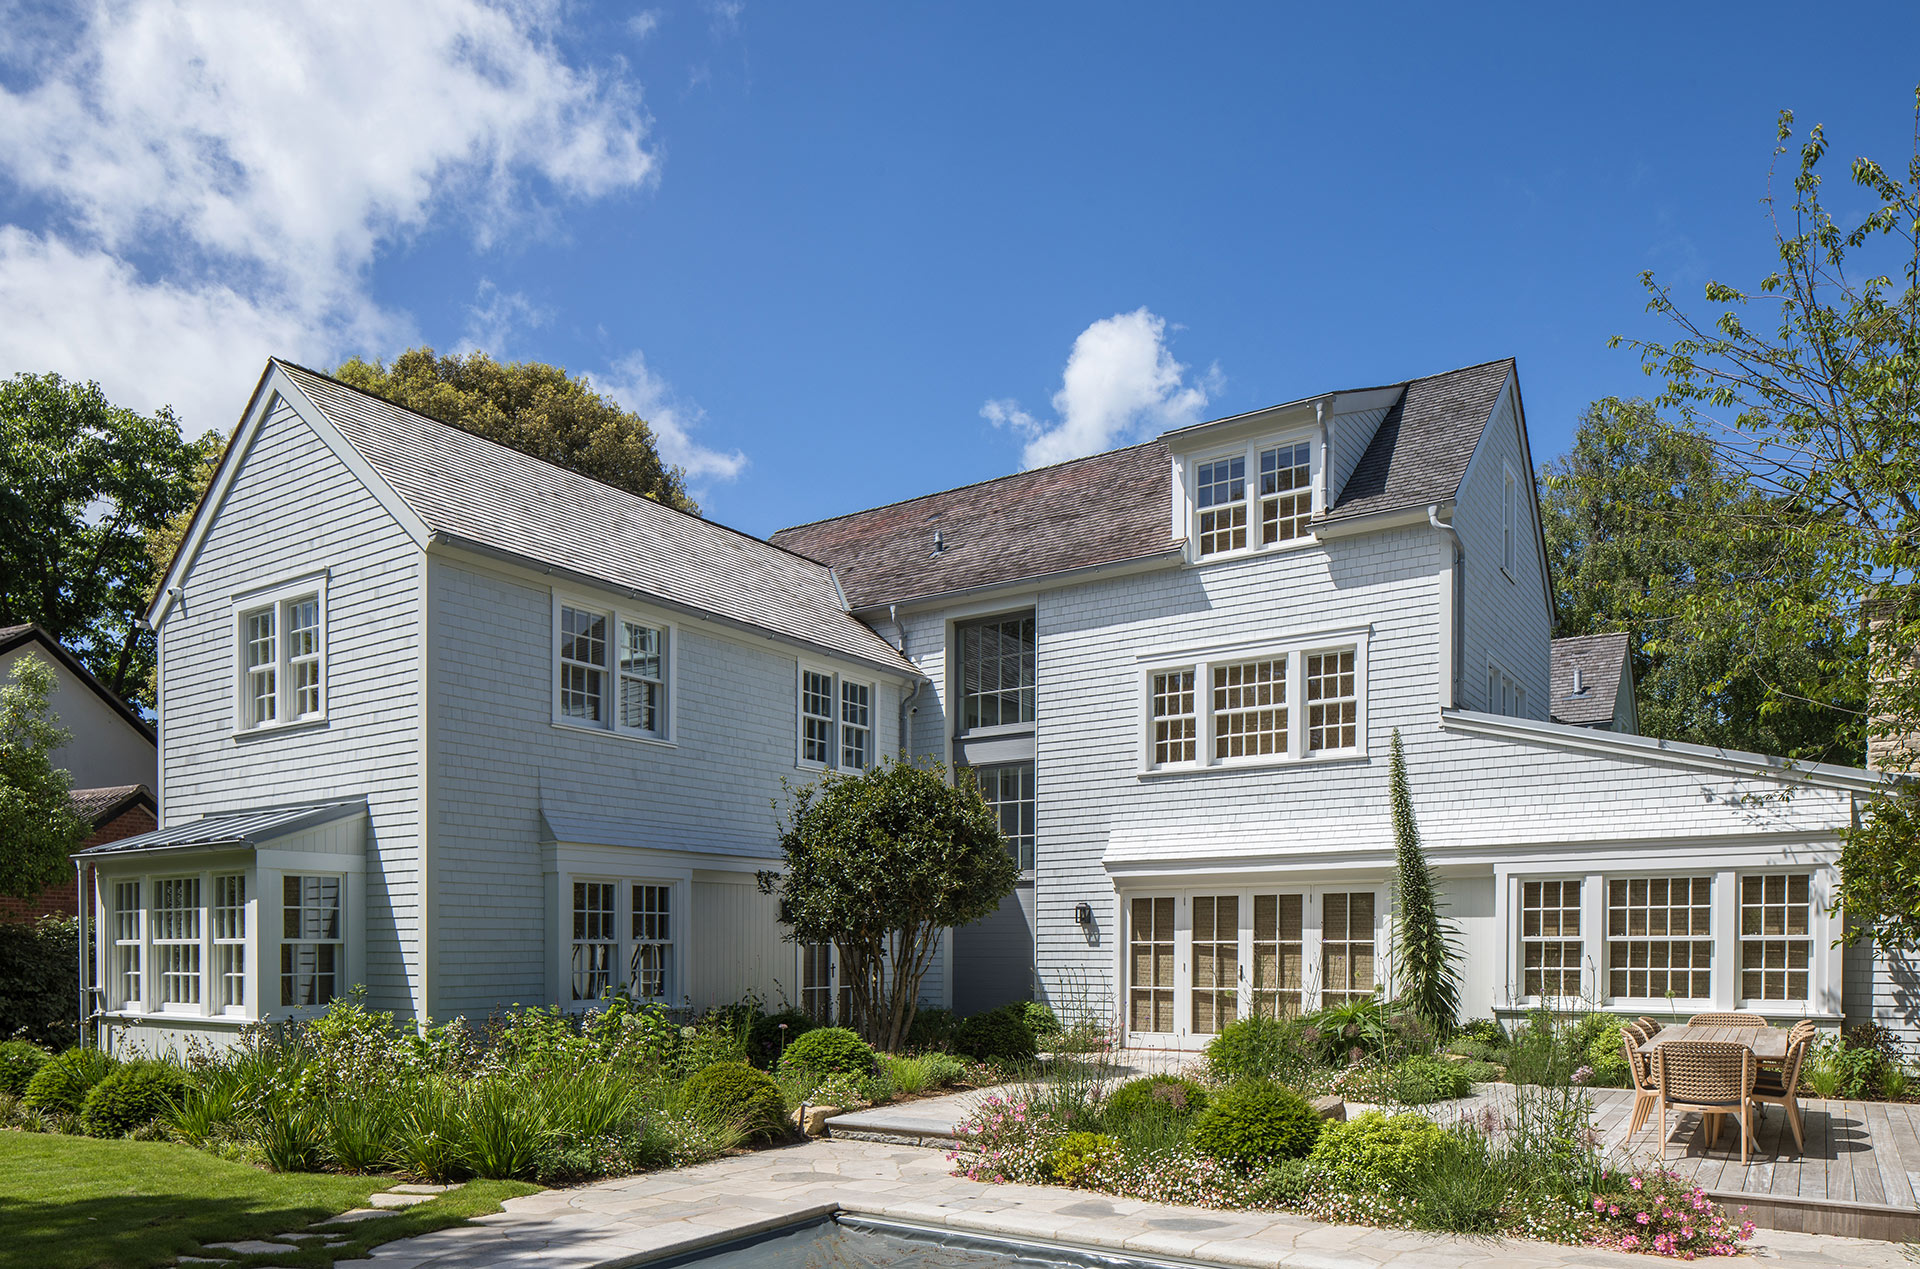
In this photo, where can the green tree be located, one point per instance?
(1424, 942)
(533, 407)
(878, 864)
(39, 828)
(85, 482)
(1640, 515)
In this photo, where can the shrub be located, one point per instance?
(1414, 1081)
(998, 1035)
(1136, 1097)
(1004, 1140)
(1464, 1188)
(1079, 1157)
(427, 1141)
(828, 1051)
(1040, 1020)
(64, 1082)
(1487, 1031)
(1285, 1184)
(20, 1061)
(1253, 1049)
(39, 992)
(1607, 1057)
(1658, 1212)
(360, 1132)
(942, 1069)
(291, 1135)
(764, 1037)
(132, 1096)
(932, 1028)
(1352, 1030)
(843, 1091)
(1255, 1122)
(1390, 1153)
(1476, 1049)
(908, 1075)
(503, 1132)
(736, 1093)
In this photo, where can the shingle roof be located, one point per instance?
(1599, 659)
(475, 490)
(95, 805)
(238, 828)
(1114, 507)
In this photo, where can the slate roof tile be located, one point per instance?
(1599, 659)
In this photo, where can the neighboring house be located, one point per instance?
(112, 815)
(470, 729)
(1591, 681)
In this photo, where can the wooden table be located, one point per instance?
(1769, 1044)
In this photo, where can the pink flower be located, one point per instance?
(1598, 1202)
(1637, 1183)
(1641, 1217)
(1613, 1209)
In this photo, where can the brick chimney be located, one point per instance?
(1889, 747)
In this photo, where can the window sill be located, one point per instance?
(315, 722)
(631, 737)
(1254, 552)
(172, 1017)
(1322, 758)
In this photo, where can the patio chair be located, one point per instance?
(1640, 1068)
(1781, 1086)
(1648, 1026)
(1642, 1029)
(1726, 1020)
(1713, 1077)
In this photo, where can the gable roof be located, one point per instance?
(97, 806)
(1601, 660)
(1420, 452)
(12, 637)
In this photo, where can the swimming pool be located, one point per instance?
(848, 1241)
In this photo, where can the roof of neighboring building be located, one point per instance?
(12, 637)
(477, 492)
(1600, 660)
(1113, 507)
(100, 805)
(236, 828)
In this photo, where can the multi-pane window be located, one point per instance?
(303, 655)
(610, 672)
(1776, 943)
(856, 725)
(1250, 709)
(1216, 961)
(652, 942)
(1332, 701)
(595, 938)
(1150, 965)
(282, 661)
(1551, 952)
(583, 665)
(1286, 493)
(1176, 728)
(126, 941)
(230, 941)
(1659, 940)
(1279, 955)
(996, 672)
(1008, 792)
(263, 669)
(175, 932)
(1346, 947)
(642, 677)
(816, 981)
(816, 717)
(836, 721)
(1504, 694)
(1220, 494)
(311, 940)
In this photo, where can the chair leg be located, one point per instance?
(1666, 1138)
(1746, 1130)
(1712, 1125)
(1793, 1118)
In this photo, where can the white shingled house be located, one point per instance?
(469, 729)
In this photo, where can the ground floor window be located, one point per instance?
(311, 940)
(176, 939)
(652, 942)
(618, 938)
(1659, 938)
(1007, 790)
(230, 941)
(1551, 950)
(1150, 982)
(1278, 956)
(594, 939)
(1216, 962)
(1776, 947)
(127, 942)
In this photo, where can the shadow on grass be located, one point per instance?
(133, 1230)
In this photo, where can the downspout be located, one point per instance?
(906, 702)
(1451, 614)
(1326, 456)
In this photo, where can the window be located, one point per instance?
(1279, 955)
(1150, 965)
(1776, 946)
(1250, 709)
(836, 721)
(610, 672)
(642, 684)
(816, 717)
(1332, 705)
(1286, 493)
(1346, 947)
(1504, 694)
(1550, 948)
(1247, 709)
(1659, 941)
(176, 939)
(1216, 961)
(1175, 725)
(230, 942)
(856, 725)
(310, 933)
(1008, 792)
(1220, 494)
(1267, 484)
(282, 660)
(126, 942)
(583, 660)
(996, 672)
(595, 939)
(652, 942)
(816, 981)
(1509, 524)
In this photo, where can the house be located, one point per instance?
(469, 729)
(1591, 681)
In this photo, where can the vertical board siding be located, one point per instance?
(737, 948)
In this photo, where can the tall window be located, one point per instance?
(1008, 792)
(996, 672)
(1776, 947)
(1220, 494)
(126, 942)
(595, 938)
(816, 717)
(642, 677)
(1286, 493)
(282, 661)
(583, 665)
(1346, 947)
(836, 720)
(311, 940)
(1332, 701)
(856, 725)
(1509, 521)
(610, 672)
(1659, 940)
(1504, 694)
(652, 942)
(1176, 728)
(1250, 709)
(230, 941)
(175, 931)
(1150, 965)
(1550, 948)
(1278, 955)
(263, 669)
(816, 981)
(1216, 961)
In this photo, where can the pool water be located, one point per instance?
(858, 1242)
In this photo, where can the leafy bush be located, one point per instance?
(360, 1132)
(20, 1061)
(1352, 1030)
(1080, 1156)
(1257, 1049)
(1487, 1031)
(764, 1037)
(1040, 1020)
(1480, 1072)
(828, 1051)
(736, 1093)
(1466, 1187)
(1005, 1139)
(840, 1090)
(64, 1082)
(1656, 1211)
(1390, 1153)
(943, 1069)
(291, 1135)
(1607, 1057)
(1476, 1049)
(132, 1096)
(932, 1028)
(39, 992)
(1137, 1097)
(998, 1035)
(1255, 1122)
(1285, 1184)
(908, 1075)
(1414, 1081)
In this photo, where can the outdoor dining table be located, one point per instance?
(1769, 1044)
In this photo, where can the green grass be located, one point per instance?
(79, 1203)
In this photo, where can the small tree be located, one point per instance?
(878, 864)
(1424, 941)
(38, 825)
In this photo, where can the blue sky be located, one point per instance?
(847, 254)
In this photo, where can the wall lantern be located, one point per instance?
(1083, 914)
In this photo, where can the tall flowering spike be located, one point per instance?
(1424, 942)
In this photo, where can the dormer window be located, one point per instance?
(1233, 513)
(1222, 498)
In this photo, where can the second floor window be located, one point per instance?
(836, 720)
(1259, 497)
(996, 673)
(610, 671)
(1273, 707)
(282, 676)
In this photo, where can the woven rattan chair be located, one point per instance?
(1712, 1077)
(1649, 1025)
(1642, 1029)
(1726, 1020)
(1640, 1067)
(1781, 1086)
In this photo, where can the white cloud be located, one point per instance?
(1121, 383)
(643, 23)
(637, 388)
(495, 316)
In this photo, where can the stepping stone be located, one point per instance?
(199, 1260)
(392, 1200)
(251, 1247)
(350, 1218)
(413, 1187)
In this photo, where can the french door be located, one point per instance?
(824, 997)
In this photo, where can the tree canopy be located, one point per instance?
(38, 826)
(85, 483)
(535, 408)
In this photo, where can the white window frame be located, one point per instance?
(1203, 662)
(232, 949)
(1741, 938)
(163, 934)
(594, 866)
(617, 616)
(1587, 969)
(342, 979)
(614, 970)
(281, 601)
(1022, 852)
(1251, 497)
(1506, 695)
(668, 916)
(129, 957)
(836, 722)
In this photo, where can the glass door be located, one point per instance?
(1216, 962)
(1150, 938)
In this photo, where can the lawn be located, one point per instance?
(79, 1203)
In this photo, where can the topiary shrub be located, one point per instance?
(1079, 1157)
(998, 1035)
(1169, 1092)
(1255, 1122)
(764, 1037)
(131, 1097)
(828, 1051)
(1382, 1152)
(64, 1082)
(20, 1061)
(1256, 1049)
(932, 1028)
(736, 1093)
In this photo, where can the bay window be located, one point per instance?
(616, 937)
(611, 671)
(230, 942)
(652, 942)
(281, 673)
(1268, 706)
(836, 720)
(175, 933)
(594, 939)
(126, 987)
